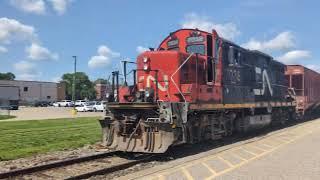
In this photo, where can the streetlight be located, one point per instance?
(74, 81)
(74, 112)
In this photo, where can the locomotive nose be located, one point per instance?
(154, 71)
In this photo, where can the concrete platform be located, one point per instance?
(290, 153)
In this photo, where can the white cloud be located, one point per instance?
(28, 76)
(26, 70)
(3, 49)
(60, 6)
(30, 6)
(39, 6)
(11, 29)
(104, 57)
(99, 61)
(105, 51)
(56, 79)
(282, 41)
(292, 57)
(314, 67)
(227, 30)
(24, 67)
(141, 49)
(37, 52)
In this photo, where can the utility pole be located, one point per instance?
(74, 81)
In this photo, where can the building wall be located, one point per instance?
(102, 90)
(32, 91)
(9, 92)
(61, 90)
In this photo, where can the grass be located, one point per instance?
(3, 117)
(24, 138)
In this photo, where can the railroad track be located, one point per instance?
(111, 162)
(49, 170)
(112, 169)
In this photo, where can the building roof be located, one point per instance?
(29, 81)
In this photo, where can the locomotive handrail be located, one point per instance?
(176, 72)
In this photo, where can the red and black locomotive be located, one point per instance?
(195, 86)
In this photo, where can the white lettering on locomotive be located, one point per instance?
(265, 81)
(151, 78)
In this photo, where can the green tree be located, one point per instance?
(84, 87)
(7, 76)
(101, 81)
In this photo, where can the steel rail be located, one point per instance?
(112, 169)
(56, 164)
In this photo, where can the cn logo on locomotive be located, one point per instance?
(150, 79)
(265, 81)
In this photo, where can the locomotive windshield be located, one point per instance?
(173, 44)
(195, 45)
(196, 48)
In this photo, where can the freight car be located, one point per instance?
(306, 84)
(195, 86)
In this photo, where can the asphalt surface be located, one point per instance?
(38, 113)
(290, 153)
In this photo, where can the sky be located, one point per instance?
(39, 37)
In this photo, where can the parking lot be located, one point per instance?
(37, 113)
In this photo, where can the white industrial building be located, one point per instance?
(33, 91)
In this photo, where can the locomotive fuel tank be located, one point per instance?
(251, 123)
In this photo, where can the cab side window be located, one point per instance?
(210, 60)
(234, 55)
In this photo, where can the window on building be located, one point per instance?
(25, 89)
(48, 97)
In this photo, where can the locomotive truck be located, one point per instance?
(195, 86)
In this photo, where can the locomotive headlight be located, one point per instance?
(145, 67)
(147, 93)
(145, 59)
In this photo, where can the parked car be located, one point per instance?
(80, 102)
(99, 106)
(41, 104)
(56, 104)
(14, 107)
(88, 106)
(63, 103)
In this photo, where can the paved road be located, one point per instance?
(291, 153)
(32, 113)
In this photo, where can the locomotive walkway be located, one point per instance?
(290, 153)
